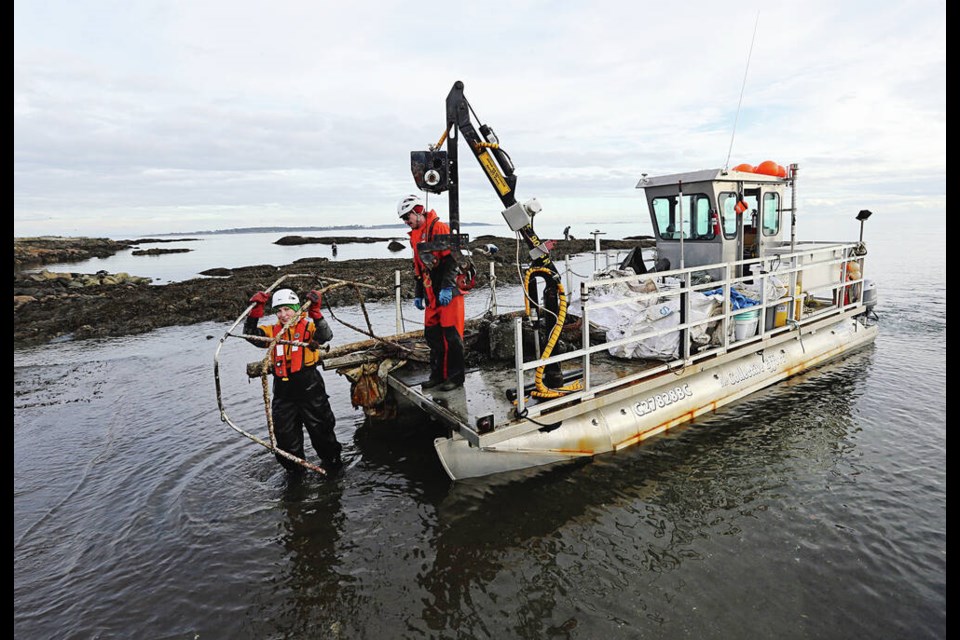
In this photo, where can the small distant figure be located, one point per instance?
(487, 250)
(566, 233)
(333, 247)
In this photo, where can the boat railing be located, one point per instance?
(813, 280)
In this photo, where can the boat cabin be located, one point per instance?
(715, 216)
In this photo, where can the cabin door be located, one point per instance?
(748, 226)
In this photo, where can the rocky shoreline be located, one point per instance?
(55, 306)
(30, 252)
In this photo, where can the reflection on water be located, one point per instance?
(314, 577)
(654, 507)
(686, 532)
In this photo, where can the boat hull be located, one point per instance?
(628, 421)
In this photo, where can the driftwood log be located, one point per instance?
(409, 346)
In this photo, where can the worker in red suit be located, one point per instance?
(437, 295)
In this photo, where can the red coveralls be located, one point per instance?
(442, 326)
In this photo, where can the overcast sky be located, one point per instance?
(140, 117)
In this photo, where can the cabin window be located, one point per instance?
(728, 212)
(697, 217)
(728, 216)
(769, 205)
(771, 213)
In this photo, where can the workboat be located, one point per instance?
(727, 301)
(650, 346)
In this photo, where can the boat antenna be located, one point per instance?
(742, 86)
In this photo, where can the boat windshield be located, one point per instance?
(695, 213)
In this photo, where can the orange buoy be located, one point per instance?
(770, 168)
(781, 171)
(746, 168)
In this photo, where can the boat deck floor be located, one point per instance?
(488, 392)
(486, 397)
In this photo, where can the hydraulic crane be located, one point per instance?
(436, 170)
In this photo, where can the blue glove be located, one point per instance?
(446, 295)
(418, 303)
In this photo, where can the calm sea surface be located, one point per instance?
(814, 509)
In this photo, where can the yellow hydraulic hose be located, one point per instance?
(541, 390)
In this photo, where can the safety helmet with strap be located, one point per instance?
(407, 204)
(283, 297)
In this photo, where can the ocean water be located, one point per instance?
(813, 509)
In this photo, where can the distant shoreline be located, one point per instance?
(242, 230)
(349, 227)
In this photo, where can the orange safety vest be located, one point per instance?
(288, 358)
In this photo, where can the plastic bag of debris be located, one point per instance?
(642, 308)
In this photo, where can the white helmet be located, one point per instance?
(284, 296)
(407, 203)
